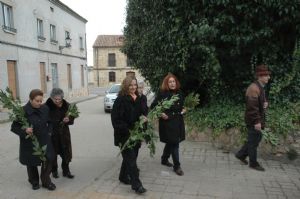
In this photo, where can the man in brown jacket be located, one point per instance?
(256, 104)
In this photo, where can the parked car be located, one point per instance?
(110, 97)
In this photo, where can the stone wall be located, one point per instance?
(231, 140)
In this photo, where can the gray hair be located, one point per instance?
(57, 92)
(140, 83)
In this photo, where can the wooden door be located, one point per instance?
(55, 83)
(82, 75)
(12, 77)
(43, 77)
(69, 72)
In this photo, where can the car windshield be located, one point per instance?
(114, 89)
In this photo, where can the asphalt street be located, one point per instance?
(209, 173)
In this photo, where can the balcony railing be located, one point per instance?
(53, 41)
(41, 38)
(9, 29)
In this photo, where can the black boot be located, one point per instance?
(166, 163)
(140, 190)
(55, 174)
(66, 170)
(68, 175)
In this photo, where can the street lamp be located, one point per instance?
(68, 43)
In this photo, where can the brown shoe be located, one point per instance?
(179, 171)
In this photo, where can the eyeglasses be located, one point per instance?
(57, 99)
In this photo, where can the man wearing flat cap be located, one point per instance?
(256, 105)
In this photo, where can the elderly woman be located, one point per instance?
(61, 137)
(37, 115)
(143, 97)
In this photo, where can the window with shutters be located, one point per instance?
(111, 59)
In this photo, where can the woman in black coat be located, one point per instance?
(126, 110)
(61, 137)
(171, 123)
(37, 116)
(143, 98)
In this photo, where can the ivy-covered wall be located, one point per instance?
(214, 45)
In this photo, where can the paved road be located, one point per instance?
(209, 173)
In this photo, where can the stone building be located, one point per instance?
(42, 45)
(110, 64)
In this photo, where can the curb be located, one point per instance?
(83, 100)
(4, 121)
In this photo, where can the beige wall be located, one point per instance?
(101, 68)
(28, 51)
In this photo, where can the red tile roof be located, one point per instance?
(109, 41)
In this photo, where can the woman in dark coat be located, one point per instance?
(127, 109)
(143, 98)
(61, 137)
(37, 116)
(171, 124)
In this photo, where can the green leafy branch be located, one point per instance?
(144, 131)
(191, 101)
(270, 137)
(72, 111)
(17, 114)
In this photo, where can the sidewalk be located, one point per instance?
(4, 116)
(209, 174)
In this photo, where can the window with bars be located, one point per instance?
(111, 59)
(82, 75)
(67, 35)
(53, 33)
(81, 43)
(8, 18)
(40, 30)
(112, 77)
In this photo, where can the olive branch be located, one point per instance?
(17, 114)
(72, 111)
(144, 131)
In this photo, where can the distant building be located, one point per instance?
(42, 45)
(90, 75)
(110, 64)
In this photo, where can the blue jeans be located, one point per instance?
(171, 149)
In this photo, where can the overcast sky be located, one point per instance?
(104, 17)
